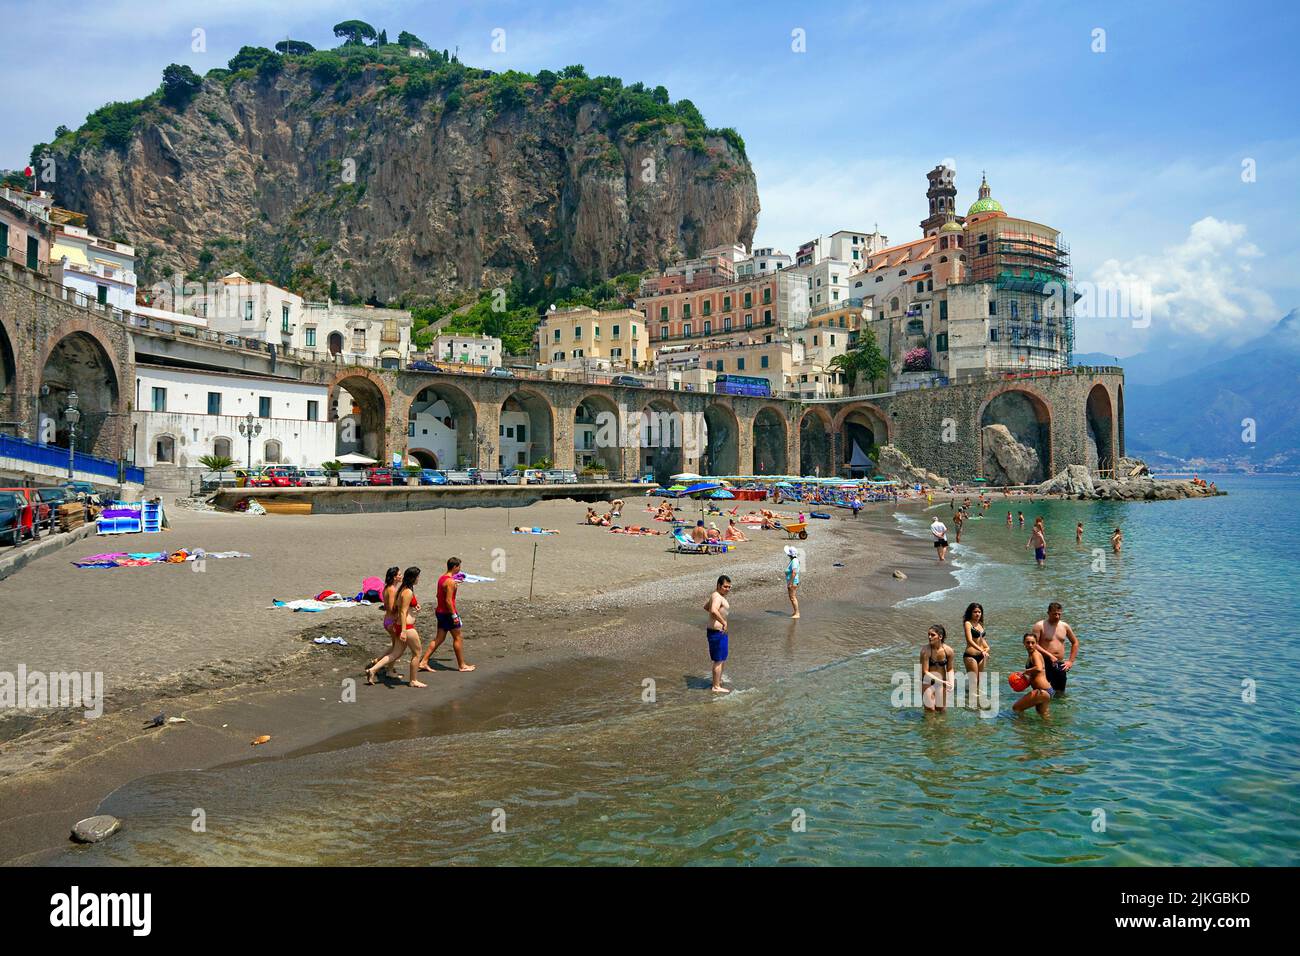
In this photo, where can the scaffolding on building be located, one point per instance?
(1031, 299)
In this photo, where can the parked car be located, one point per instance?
(53, 497)
(282, 478)
(250, 478)
(562, 476)
(431, 476)
(352, 476)
(629, 381)
(313, 477)
(82, 490)
(420, 365)
(15, 518)
(529, 476)
(42, 514)
(379, 476)
(499, 372)
(490, 478)
(214, 479)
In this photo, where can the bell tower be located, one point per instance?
(942, 195)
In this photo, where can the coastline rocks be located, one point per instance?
(900, 575)
(1131, 468)
(97, 828)
(893, 463)
(1074, 480)
(1008, 461)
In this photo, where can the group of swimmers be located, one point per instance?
(400, 606)
(1046, 668)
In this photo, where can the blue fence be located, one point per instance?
(56, 457)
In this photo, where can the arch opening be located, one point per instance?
(1101, 431)
(721, 442)
(1016, 439)
(815, 443)
(358, 406)
(596, 432)
(1120, 419)
(8, 376)
(769, 443)
(662, 450)
(526, 431)
(862, 432)
(78, 363)
(442, 424)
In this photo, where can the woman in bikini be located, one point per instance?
(976, 655)
(386, 598)
(936, 669)
(405, 604)
(1040, 691)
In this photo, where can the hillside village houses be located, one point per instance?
(477, 351)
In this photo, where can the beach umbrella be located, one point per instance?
(701, 487)
(721, 493)
(687, 476)
(352, 458)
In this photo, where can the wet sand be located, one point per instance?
(235, 670)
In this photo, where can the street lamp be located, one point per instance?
(248, 428)
(73, 414)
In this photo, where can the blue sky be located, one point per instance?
(1135, 153)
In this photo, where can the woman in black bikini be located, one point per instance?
(977, 653)
(936, 669)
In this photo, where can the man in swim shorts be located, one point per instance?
(1039, 541)
(448, 619)
(717, 607)
(1051, 633)
(940, 532)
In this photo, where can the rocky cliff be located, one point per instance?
(386, 182)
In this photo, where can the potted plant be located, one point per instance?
(332, 469)
(217, 463)
(412, 474)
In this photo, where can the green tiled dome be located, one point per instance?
(984, 205)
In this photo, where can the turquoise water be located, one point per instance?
(1154, 757)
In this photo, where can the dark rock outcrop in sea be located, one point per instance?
(1137, 484)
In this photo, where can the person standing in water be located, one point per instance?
(959, 519)
(936, 669)
(1116, 540)
(1021, 516)
(1040, 690)
(977, 653)
(405, 604)
(448, 619)
(792, 579)
(1051, 633)
(718, 607)
(1039, 542)
(1008, 519)
(940, 532)
(1078, 533)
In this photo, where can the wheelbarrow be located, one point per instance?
(796, 529)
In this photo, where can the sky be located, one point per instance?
(1161, 138)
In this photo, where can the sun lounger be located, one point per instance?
(686, 546)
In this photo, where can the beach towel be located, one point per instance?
(464, 578)
(534, 531)
(312, 605)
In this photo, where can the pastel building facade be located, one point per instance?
(583, 338)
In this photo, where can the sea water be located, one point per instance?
(1176, 743)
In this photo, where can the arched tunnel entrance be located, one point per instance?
(1016, 439)
(526, 432)
(769, 442)
(862, 431)
(662, 441)
(596, 434)
(721, 443)
(1101, 431)
(815, 444)
(359, 407)
(78, 363)
(441, 428)
(8, 378)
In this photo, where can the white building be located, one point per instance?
(845, 245)
(262, 311)
(764, 261)
(99, 269)
(466, 350)
(828, 282)
(182, 414)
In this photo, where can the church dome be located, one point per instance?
(986, 202)
(952, 225)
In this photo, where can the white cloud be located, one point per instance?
(1200, 288)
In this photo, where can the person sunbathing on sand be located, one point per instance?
(592, 517)
(733, 532)
(713, 536)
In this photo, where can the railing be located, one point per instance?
(54, 456)
(15, 254)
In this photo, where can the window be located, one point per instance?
(616, 328)
(313, 410)
(160, 401)
(708, 326)
(749, 299)
(596, 332)
(929, 285)
(663, 313)
(943, 310)
(557, 335)
(893, 304)
(271, 452)
(762, 362)
(520, 431)
(358, 340)
(101, 294)
(633, 332)
(663, 332)
(248, 310)
(941, 342)
(993, 307)
(740, 365)
(577, 332)
(726, 303)
(284, 318)
(726, 324)
(767, 318)
(719, 365)
(557, 356)
(708, 307)
(686, 329)
(309, 337)
(264, 406)
(214, 403)
(993, 335)
(164, 449)
(221, 447)
(920, 286)
(767, 297)
(1015, 309)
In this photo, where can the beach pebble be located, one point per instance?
(900, 575)
(94, 829)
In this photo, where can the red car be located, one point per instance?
(40, 514)
(281, 478)
(380, 476)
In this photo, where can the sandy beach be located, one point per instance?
(207, 645)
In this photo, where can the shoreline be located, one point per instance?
(67, 769)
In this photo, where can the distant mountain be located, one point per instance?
(1199, 415)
